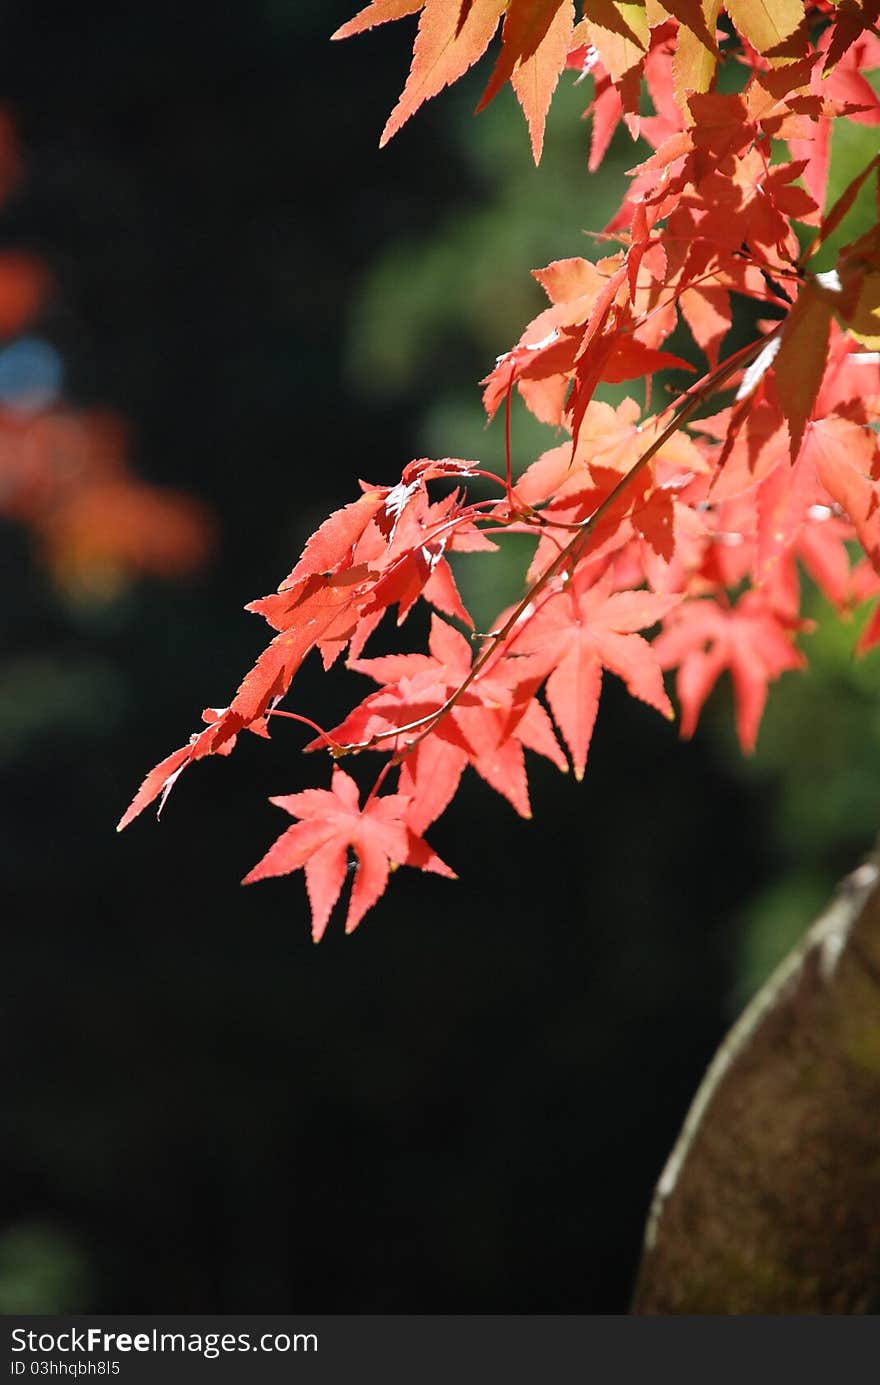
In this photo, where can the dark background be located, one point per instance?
(464, 1106)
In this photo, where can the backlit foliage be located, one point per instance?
(693, 523)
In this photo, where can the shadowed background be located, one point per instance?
(464, 1106)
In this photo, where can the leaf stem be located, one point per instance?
(333, 746)
(507, 465)
(389, 765)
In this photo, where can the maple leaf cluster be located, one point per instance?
(65, 473)
(693, 524)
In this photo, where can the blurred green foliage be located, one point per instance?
(43, 696)
(464, 284)
(43, 1269)
(816, 759)
(852, 149)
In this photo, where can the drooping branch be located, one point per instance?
(685, 407)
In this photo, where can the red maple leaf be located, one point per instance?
(331, 821)
(582, 629)
(703, 638)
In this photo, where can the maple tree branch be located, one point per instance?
(572, 551)
(715, 212)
